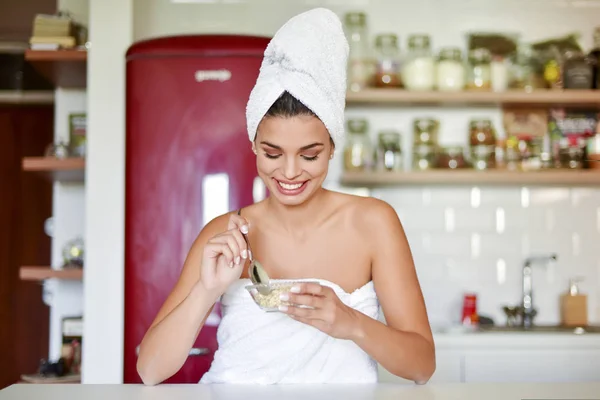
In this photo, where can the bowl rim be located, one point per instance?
(282, 281)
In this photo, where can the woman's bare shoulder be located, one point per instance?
(368, 211)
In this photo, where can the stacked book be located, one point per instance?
(52, 32)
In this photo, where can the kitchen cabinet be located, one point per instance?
(513, 358)
(547, 365)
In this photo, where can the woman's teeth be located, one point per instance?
(287, 186)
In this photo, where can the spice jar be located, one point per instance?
(388, 61)
(425, 131)
(360, 64)
(418, 72)
(450, 71)
(523, 71)
(570, 156)
(482, 140)
(389, 153)
(451, 157)
(577, 71)
(358, 149)
(479, 72)
(481, 132)
(424, 157)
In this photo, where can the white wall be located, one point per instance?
(446, 21)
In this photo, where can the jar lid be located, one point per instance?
(358, 125)
(386, 40)
(424, 123)
(355, 19)
(480, 54)
(389, 135)
(450, 53)
(418, 41)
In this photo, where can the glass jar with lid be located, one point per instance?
(388, 61)
(424, 157)
(479, 76)
(418, 72)
(425, 131)
(389, 151)
(358, 148)
(360, 63)
(451, 157)
(450, 71)
(481, 132)
(522, 72)
(482, 139)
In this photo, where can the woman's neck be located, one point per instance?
(299, 218)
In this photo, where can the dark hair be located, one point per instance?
(287, 106)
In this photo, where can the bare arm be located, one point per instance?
(166, 345)
(405, 346)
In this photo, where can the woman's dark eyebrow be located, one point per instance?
(309, 146)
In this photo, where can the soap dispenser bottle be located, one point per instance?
(573, 305)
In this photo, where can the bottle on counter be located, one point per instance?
(573, 305)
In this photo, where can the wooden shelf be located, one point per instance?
(26, 97)
(65, 68)
(472, 177)
(554, 98)
(41, 273)
(65, 170)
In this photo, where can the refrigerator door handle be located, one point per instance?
(194, 351)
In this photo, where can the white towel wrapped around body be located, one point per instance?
(308, 58)
(258, 347)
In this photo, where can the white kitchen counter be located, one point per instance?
(516, 340)
(306, 392)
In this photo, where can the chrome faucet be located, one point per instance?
(528, 310)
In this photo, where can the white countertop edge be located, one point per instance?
(430, 391)
(505, 340)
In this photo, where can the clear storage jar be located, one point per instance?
(360, 62)
(418, 72)
(389, 151)
(388, 61)
(358, 148)
(450, 70)
(479, 75)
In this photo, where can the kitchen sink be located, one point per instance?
(540, 329)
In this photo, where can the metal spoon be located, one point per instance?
(257, 273)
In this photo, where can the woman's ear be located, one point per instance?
(254, 147)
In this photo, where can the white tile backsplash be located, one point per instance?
(461, 245)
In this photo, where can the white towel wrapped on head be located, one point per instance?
(307, 57)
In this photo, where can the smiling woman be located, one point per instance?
(347, 255)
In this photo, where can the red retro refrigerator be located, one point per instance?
(188, 159)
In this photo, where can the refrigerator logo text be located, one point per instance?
(220, 75)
